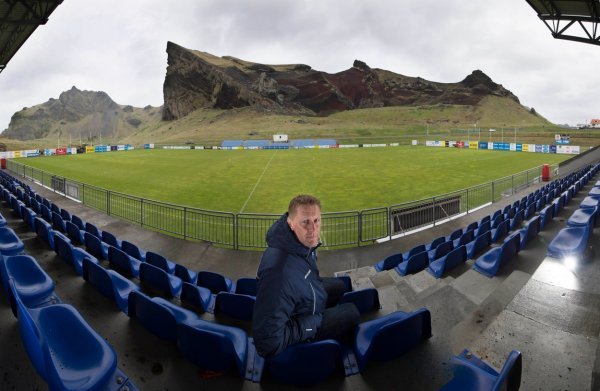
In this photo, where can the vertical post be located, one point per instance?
(359, 236)
(433, 206)
(493, 193)
(468, 204)
(184, 223)
(235, 231)
(108, 202)
(141, 212)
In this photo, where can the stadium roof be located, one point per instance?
(18, 20)
(573, 20)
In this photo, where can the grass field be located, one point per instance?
(263, 181)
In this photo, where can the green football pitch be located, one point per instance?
(263, 181)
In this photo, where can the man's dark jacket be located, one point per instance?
(290, 299)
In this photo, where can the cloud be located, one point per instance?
(119, 47)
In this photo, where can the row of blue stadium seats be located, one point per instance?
(447, 252)
(63, 348)
(199, 340)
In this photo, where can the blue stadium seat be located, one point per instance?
(217, 348)
(159, 280)
(45, 232)
(438, 267)
(365, 300)
(110, 239)
(234, 305)
(123, 262)
(546, 214)
(306, 364)
(159, 261)
(95, 246)
(389, 262)
(390, 336)
(570, 241)
(515, 222)
(246, 286)
(347, 283)
(28, 216)
(489, 263)
(109, 283)
(10, 244)
(133, 250)
(3, 221)
(78, 222)
(31, 282)
(495, 214)
(455, 235)
(74, 233)
(471, 373)
(54, 208)
(440, 251)
(465, 238)
(186, 275)
(215, 282)
(532, 228)
(198, 296)
(414, 264)
(91, 228)
(500, 232)
(66, 216)
(474, 225)
(72, 255)
(434, 243)
(483, 228)
(498, 220)
(415, 250)
(66, 351)
(159, 316)
(58, 223)
(594, 192)
(583, 217)
(46, 213)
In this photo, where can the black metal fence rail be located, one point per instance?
(248, 230)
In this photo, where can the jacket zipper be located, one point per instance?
(314, 298)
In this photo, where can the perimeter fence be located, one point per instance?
(248, 230)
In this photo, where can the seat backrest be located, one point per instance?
(472, 226)
(78, 222)
(119, 260)
(57, 222)
(365, 300)
(91, 228)
(196, 295)
(436, 242)
(456, 234)
(65, 215)
(443, 249)
(213, 281)
(63, 248)
(131, 249)
(483, 227)
(157, 260)
(392, 261)
(417, 262)
(510, 247)
(154, 276)
(415, 250)
(93, 245)
(467, 237)
(186, 275)
(234, 305)
(73, 232)
(246, 286)
(98, 277)
(110, 239)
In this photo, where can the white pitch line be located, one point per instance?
(257, 182)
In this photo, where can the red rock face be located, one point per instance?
(199, 80)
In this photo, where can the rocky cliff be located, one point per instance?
(89, 115)
(197, 80)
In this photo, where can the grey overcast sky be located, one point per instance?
(118, 46)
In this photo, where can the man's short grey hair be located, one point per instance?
(300, 200)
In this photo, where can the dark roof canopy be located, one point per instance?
(574, 20)
(18, 20)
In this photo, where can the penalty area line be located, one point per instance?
(257, 182)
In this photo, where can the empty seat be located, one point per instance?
(570, 241)
(414, 264)
(109, 283)
(74, 256)
(440, 251)
(500, 232)
(448, 262)
(74, 233)
(583, 217)
(389, 262)
(157, 279)
(234, 305)
(65, 350)
(3, 221)
(365, 300)
(246, 286)
(415, 250)
(474, 225)
(471, 373)
(54, 208)
(532, 228)
(434, 243)
(306, 364)
(489, 263)
(198, 296)
(465, 238)
(159, 316)
(214, 281)
(455, 235)
(31, 282)
(186, 275)
(110, 239)
(483, 227)
(10, 244)
(515, 222)
(65, 215)
(28, 217)
(46, 213)
(390, 336)
(133, 250)
(45, 232)
(160, 262)
(95, 246)
(123, 262)
(91, 228)
(217, 347)
(58, 222)
(546, 214)
(78, 222)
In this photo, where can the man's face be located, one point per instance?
(306, 224)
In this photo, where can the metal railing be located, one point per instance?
(248, 230)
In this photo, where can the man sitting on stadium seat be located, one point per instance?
(294, 304)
